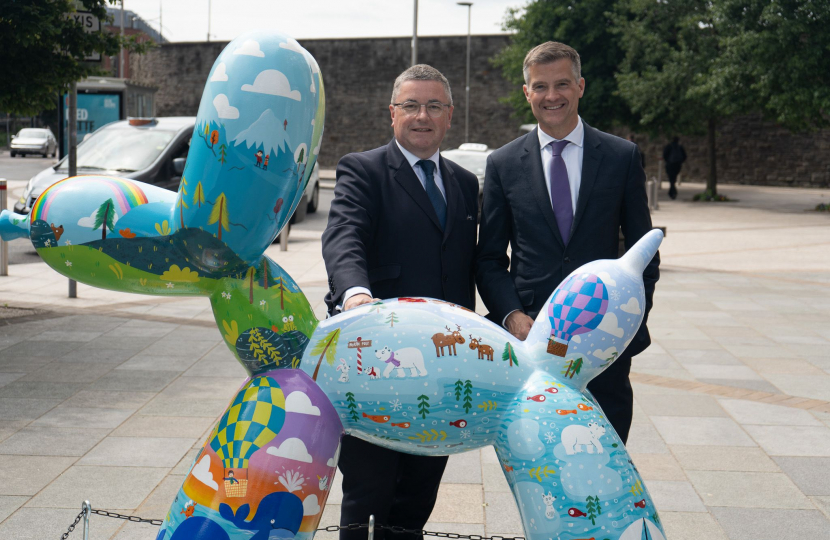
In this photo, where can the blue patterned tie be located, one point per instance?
(434, 194)
(560, 191)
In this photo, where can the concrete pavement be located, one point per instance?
(107, 397)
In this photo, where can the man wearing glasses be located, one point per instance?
(402, 223)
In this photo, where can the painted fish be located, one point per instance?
(402, 425)
(640, 504)
(508, 468)
(563, 412)
(539, 398)
(188, 510)
(552, 390)
(379, 418)
(583, 407)
(453, 445)
(576, 512)
(459, 423)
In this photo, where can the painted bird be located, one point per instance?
(539, 398)
(379, 418)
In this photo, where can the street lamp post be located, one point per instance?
(467, 93)
(415, 36)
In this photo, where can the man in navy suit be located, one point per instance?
(402, 223)
(559, 197)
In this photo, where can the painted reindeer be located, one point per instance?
(447, 340)
(483, 350)
(285, 423)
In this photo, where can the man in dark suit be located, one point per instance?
(402, 223)
(559, 197)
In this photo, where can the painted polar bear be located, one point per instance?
(588, 436)
(406, 358)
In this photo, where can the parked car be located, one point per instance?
(151, 150)
(473, 157)
(34, 141)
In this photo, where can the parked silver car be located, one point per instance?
(34, 141)
(473, 157)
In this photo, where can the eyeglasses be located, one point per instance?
(411, 108)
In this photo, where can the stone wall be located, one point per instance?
(358, 76)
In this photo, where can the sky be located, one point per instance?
(187, 20)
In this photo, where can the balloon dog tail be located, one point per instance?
(594, 314)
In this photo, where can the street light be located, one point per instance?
(467, 95)
(415, 35)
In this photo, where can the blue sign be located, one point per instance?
(94, 111)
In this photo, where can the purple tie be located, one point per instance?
(560, 191)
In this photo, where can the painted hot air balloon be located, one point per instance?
(576, 307)
(254, 418)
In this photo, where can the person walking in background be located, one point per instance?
(674, 155)
(558, 197)
(402, 223)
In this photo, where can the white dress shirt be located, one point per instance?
(419, 172)
(572, 155)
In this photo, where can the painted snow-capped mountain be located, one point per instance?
(267, 131)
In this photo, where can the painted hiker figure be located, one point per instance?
(559, 197)
(397, 227)
(253, 478)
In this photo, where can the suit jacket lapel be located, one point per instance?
(535, 177)
(406, 177)
(455, 203)
(591, 158)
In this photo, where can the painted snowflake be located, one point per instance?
(550, 437)
(465, 434)
(395, 405)
(615, 295)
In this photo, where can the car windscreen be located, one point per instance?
(123, 150)
(475, 163)
(31, 133)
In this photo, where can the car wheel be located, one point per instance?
(45, 154)
(315, 199)
(13, 153)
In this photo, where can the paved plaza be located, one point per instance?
(109, 396)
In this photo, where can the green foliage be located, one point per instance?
(573, 367)
(458, 386)
(105, 218)
(392, 319)
(326, 347)
(594, 509)
(41, 50)
(509, 355)
(352, 406)
(468, 396)
(423, 405)
(584, 25)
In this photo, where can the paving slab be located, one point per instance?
(811, 475)
(110, 487)
(27, 475)
(691, 526)
(501, 514)
(748, 490)
(772, 524)
(751, 412)
(49, 441)
(674, 496)
(792, 440)
(163, 426)
(41, 523)
(25, 408)
(723, 458)
(658, 467)
(10, 503)
(701, 431)
(463, 468)
(680, 405)
(106, 399)
(80, 417)
(138, 451)
(459, 503)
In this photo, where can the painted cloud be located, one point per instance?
(250, 48)
(273, 83)
(219, 75)
(292, 448)
(299, 402)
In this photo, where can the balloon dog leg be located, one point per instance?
(267, 467)
(568, 469)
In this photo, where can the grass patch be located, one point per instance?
(823, 207)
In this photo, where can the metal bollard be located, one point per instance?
(284, 238)
(87, 508)
(655, 187)
(372, 527)
(4, 246)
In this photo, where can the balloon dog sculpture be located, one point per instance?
(415, 374)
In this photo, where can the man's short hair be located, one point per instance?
(549, 52)
(421, 72)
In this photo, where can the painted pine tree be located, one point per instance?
(468, 396)
(352, 406)
(594, 509)
(222, 154)
(250, 278)
(282, 288)
(573, 367)
(509, 355)
(459, 385)
(423, 405)
(392, 319)
(199, 195)
(105, 218)
(219, 215)
(180, 201)
(326, 347)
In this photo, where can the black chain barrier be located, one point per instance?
(331, 528)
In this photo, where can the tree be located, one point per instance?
(670, 50)
(105, 218)
(199, 195)
(326, 347)
(392, 319)
(219, 214)
(180, 201)
(509, 355)
(43, 50)
(222, 154)
(584, 25)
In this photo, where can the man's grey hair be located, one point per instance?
(421, 72)
(550, 52)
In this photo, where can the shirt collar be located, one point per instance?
(577, 136)
(413, 159)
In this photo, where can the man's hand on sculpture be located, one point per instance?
(519, 324)
(358, 300)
